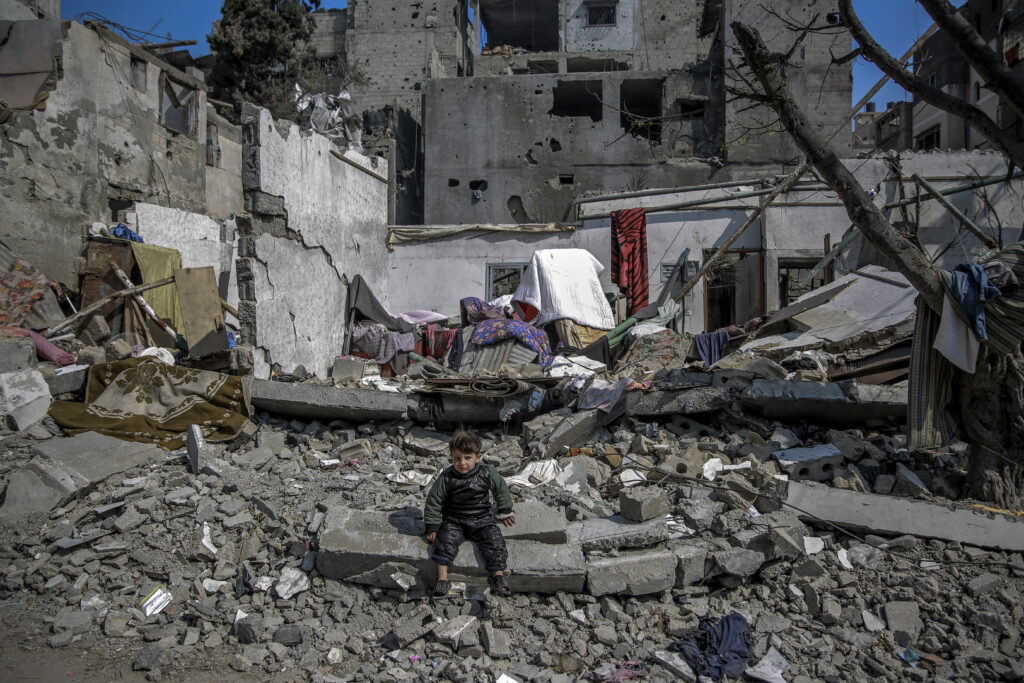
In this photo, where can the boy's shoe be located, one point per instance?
(441, 588)
(498, 585)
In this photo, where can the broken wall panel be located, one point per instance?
(316, 221)
(97, 146)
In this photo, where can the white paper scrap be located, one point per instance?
(813, 545)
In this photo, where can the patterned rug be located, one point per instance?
(143, 399)
(20, 288)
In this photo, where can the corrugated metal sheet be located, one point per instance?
(493, 356)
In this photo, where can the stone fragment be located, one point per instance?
(908, 483)
(640, 503)
(289, 635)
(496, 641)
(536, 521)
(416, 624)
(904, 620)
(984, 583)
(425, 442)
(738, 561)
(871, 621)
(197, 449)
(291, 583)
(16, 353)
(69, 379)
(815, 463)
(690, 567)
(452, 631)
(24, 398)
(150, 658)
(253, 459)
(249, 630)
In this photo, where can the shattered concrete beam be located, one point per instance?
(835, 403)
(683, 402)
(891, 515)
(316, 401)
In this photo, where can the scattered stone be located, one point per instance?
(640, 504)
(904, 621)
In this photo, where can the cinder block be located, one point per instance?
(815, 463)
(634, 573)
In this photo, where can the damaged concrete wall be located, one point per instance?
(315, 221)
(110, 135)
(223, 166)
(575, 139)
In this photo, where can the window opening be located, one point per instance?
(600, 15)
(503, 278)
(179, 109)
(928, 140)
(791, 275)
(640, 107)
(578, 99)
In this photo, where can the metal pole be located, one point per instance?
(985, 239)
(710, 200)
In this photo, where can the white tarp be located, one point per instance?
(562, 283)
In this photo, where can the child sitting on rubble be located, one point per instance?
(459, 507)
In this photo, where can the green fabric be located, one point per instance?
(144, 399)
(499, 489)
(158, 263)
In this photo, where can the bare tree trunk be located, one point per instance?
(990, 400)
(770, 72)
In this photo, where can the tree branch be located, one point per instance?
(998, 78)
(978, 119)
(863, 212)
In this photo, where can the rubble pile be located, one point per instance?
(243, 551)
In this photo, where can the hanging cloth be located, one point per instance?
(629, 256)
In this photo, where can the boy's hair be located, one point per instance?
(464, 441)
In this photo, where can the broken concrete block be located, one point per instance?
(117, 349)
(543, 568)
(348, 369)
(252, 460)
(985, 583)
(612, 533)
(24, 398)
(95, 331)
(574, 429)
(16, 353)
(738, 561)
(785, 438)
(325, 403)
(496, 642)
(291, 582)
(690, 563)
(884, 484)
(451, 632)
(92, 355)
(633, 573)
(699, 513)
(815, 463)
(415, 625)
(840, 403)
(426, 442)
(69, 379)
(639, 503)
(895, 516)
(536, 521)
(904, 621)
(908, 483)
(198, 451)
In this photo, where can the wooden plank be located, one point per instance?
(99, 280)
(200, 307)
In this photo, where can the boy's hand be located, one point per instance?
(431, 536)
(509, 521)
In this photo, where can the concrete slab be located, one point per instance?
(426, 442)
(633, 573)
(612, 533)
(67, 467)
(316, 401)
(816, 463)
(683, 402)
(573, 430)
(24, 398)
(355, 542)
(888, 515)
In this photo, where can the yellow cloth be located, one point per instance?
(157, 263)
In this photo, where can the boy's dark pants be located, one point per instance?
(483, 531)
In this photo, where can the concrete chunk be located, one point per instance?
(69, 379)
(889, 515)
(683, 402)
(834, 403)
(16, 353)
(640, 504)
(817, 463)
(690, 563)
(536, 521)
(676, 665)
(634, 573)
(316, 401)
(425, 442)
(24, 398)
(543, 568)
(612, 533)
(904, 620)
(738, 561)
(573, 430)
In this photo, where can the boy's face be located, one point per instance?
(464, 462)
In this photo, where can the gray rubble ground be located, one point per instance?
(236, 545)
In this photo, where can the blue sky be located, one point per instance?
(896, 24)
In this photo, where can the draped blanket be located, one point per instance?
(144, 399)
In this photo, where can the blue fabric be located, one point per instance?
(123, 232)
(717, 651)
(971, 289)
(494, 331)
(710, 345)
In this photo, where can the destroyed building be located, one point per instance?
(565, 98)
(227, 381)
